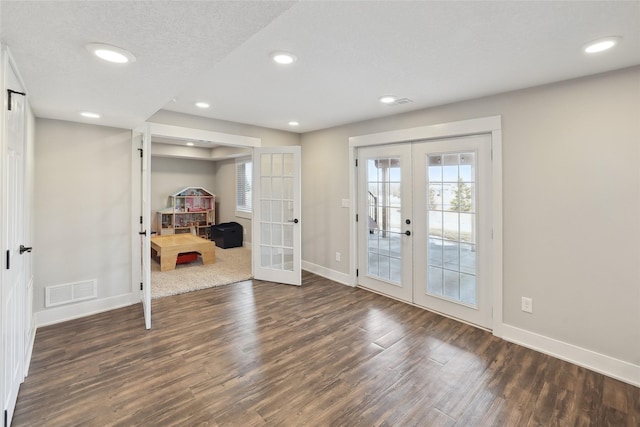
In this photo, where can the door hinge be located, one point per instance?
(141, 151)
(357, 272)
(141, 286)
(8, 259)
(6, 418)
(356, 217)
(140, 219)
(11, 92)
(356, 162)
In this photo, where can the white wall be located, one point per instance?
(571, 205)
(82, 226)
(168, 176)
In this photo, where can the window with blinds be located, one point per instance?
(243, 184)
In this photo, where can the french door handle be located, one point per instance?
(24, 249)
(295, 220)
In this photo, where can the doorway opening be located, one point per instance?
(275, 247)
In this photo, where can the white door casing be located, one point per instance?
(276, 254)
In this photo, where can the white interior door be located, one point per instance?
(424, 224)
(13, 274)
(142, 144)
(276, 248)
(384, 219)
(452, 249)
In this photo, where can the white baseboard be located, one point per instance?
(325, 272)
(606, 365)
(85, 308)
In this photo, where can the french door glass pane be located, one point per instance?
(276, 237)
(384, 204)
(451, 225)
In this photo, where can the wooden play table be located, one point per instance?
(169, 246)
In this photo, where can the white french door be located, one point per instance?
(384, 219)
(276, 248)
(424, 229)
(452, 249)
(141, 141)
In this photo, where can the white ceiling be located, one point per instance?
(349, 54)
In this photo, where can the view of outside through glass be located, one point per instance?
(452, 226)
(384, 255)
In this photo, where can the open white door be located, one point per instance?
(13, 289)
(276, 233)
(142, 143)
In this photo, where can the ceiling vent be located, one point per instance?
(401, 101)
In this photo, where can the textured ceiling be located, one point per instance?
(349, 54)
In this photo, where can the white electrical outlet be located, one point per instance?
(527, 305)
(337, 256)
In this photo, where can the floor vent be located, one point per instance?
(70, 292)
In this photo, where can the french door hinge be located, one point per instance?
(357, 272)
(356, 162)
(356, 217)
(140, 219)
(141, 286)
(8, 259)
(12, 92)
(141, 151)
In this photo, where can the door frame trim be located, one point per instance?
(486, 125)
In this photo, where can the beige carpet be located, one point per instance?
(232, 265)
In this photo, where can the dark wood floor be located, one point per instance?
(258, 353)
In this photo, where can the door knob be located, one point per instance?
(24, 249)
(408, 233)
(295, 221)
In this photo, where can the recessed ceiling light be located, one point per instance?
(284, 58)
(601, 45)
(111, 53)
(293, 123)
(190, 144)
(202, 105)
(388, 99)
(90, 115)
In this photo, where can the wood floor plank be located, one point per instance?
(261, 354)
